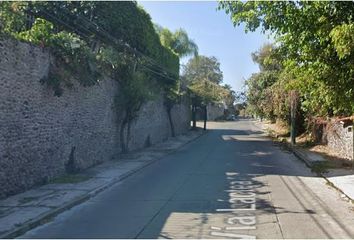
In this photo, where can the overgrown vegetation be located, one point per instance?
(94, 40)
(203, 77)
(179, 43)
(313, 57)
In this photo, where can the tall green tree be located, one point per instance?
(203, 76)
(262, 88)
(179, 41)
(203, 68)
(316, 41)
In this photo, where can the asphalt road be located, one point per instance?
(232, 182)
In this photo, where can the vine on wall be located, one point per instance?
(91, 40)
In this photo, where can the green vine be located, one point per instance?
(90, 40)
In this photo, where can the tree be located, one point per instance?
(259, 95)
(268, 58)
(205, 68)
(203, 76)
(114, 39)
(262, 92)
(229, 97)
(316, 41)
(178, 41)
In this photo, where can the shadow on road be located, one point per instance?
(238, 155)
(196, 190)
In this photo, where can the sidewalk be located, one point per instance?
(341, 179)
(24, 211)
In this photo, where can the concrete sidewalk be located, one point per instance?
(24, 211)
(341, 179)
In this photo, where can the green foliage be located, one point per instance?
(266, 96)
(77, 32)
(280, 100)
(259, 94)
(321, 167)
(229, 96)
(12, 17)
(203, 77)
(316, 41)
(40, 33)
(74, 58)
(177, 41)
(91, 40)
(268, 58)
(134, 93)
(207, 91)
(203, 68)
(342, 37)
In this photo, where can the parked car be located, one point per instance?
(231, 117)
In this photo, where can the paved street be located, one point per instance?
(231, 182)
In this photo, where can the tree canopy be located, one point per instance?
(202, 68)
(315, 40)
(203, 78)
(92, 40)
(178, 41)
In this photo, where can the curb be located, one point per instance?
(309, 164)
(293, 149)
(300, 156)
(44, 218)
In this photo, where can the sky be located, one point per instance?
(214, 33)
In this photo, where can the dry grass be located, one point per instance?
(280, 131)
(332, 156)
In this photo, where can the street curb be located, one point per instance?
(43, 218)
(300, 156)
(293, 149)
(308, 163)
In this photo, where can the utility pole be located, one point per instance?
(205, 115)
(293, 110)
(194, 127)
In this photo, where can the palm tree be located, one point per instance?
(177, 41)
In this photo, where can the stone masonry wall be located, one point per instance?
(40, 133)
(215, 111)
(152, 125)
(340, 139)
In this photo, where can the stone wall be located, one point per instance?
(215, 111)
(41, 135)
(339, 137)
(152, 125)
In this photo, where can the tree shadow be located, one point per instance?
(188, 192)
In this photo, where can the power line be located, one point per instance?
(115, 40)
(64, 23)
(173, 79)
(152, 64)
(125, 44)
(85, 35)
